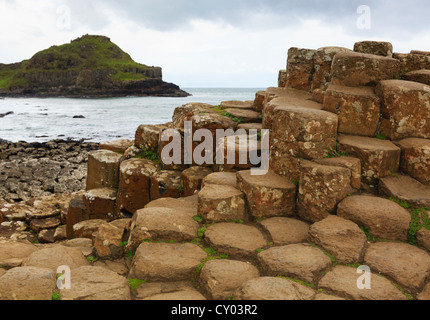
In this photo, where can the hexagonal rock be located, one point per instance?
(76, 213)
(134, 184)
(385, 219)
(280, 97)
(342, 281)
(187, 111)
(192, 179)
(100, 203)
(269, 195)
(38, 225)
(415, 159)
(421, 76)
(405, 110)
(250, 126)
(163, 224)
(323, 60)
(246, 116)
(358, 109)
(107, 241)
(12, 253)
(28, 283)
(300, 261)
(405, 264)
(276, 289)
(54, 257)
(161, 290)
(423, 238)
(282, 78)
(285, 231)
(237, 104)
(103, 169)
(221, 203)
(118, 146)
(380, 48)
(284, 164)
(221, 179)
(166, 262)
(425, 294)
(412, 62)
(166, 184)
(96, 284)
(220, 278)
(350, 163)
(148, 136)
(424, 53)
(304, 132)
(85, 229)
(260, 97)
(300, 66)
(341, 238)
(326, 297)
(379, 158)
(354, 69)
(406, 189)
(321, 188)
(236, 240)
(182, 204)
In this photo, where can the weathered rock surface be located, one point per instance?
(166, 184)
(221, 179)
(235, 240)
(166, 262)
(220, 278)
(103, 169)
(421, 76)
(13, 253)
(268, 288)
(407, 265)
(415, 159)
(341, 238)
(342, 282)
(380, 48)
(192, 179)
(300, 261)
(300, 66)
(285, 231)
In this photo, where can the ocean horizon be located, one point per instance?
(104, 119)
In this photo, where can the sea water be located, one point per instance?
(41, 120)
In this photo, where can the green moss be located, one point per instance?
(56, 296)
(335, 152)
(135, 283)
(211, 255)
(307, 284)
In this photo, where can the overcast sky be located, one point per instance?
(207, 43)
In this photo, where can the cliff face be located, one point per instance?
(90, 66)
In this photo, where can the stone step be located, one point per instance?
(354, 69)
(300, 66)
(221, 179)
(245, 115)
(250, 126)
(408, 265)
(166, 262)
(237, 105)
(268, 195)
(118, 146)
(415, 159)
(282, 78)
(103, 169)
(353, 164)
(147, 137)
(221, 204)
(342, 281)
(166, 184)
(321, 188)
(285, 231)
(134, 185)
(407, 189)
(383, 218)
(405, 110)
(379, 48)
(235, 240)
(260, 97)
(340, 237)
(421, 76)
(184, 204)
(322, 66)
(192, 179)
(412, 62)
(170, 291)
(101, 203)
(379, 158)
(358, 109)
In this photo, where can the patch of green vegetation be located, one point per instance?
(335, 152)
(355, 266)
(92, 259)
(135, 283)
(212, 255)
(381, 137)
(419, 219)
(202, 230)
(130, 255)
(295, 182)
(123, 244)
(237, 221)
(332, 258)
(369, 236)
(235, 119)
(56, 296)
(307, 284)
(259, 250)
(197, 242)
(198, 219)
(180, 188)
(149, 155)
(403, 291)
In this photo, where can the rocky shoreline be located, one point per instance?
(29, 170)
